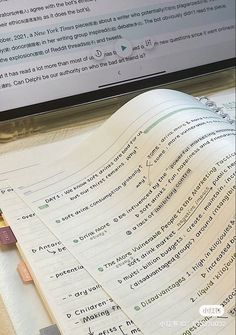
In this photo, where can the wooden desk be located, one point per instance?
(6, 327)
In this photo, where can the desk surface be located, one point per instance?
(6, 325)
(54, 137)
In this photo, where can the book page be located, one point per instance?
(226, 101)
(76, 302)
(24, 320)
(147, 207)
(43, 250)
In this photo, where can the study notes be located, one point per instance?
(146, 205)
(75, 301)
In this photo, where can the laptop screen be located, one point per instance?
(57, 53)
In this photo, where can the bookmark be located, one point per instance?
(24, 273)
(51, 330)
(6, 236)
(2, 223)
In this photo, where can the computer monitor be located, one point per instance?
(60, 53)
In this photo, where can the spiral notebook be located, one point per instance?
(77, 302)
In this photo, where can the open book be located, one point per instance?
(137, 223)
